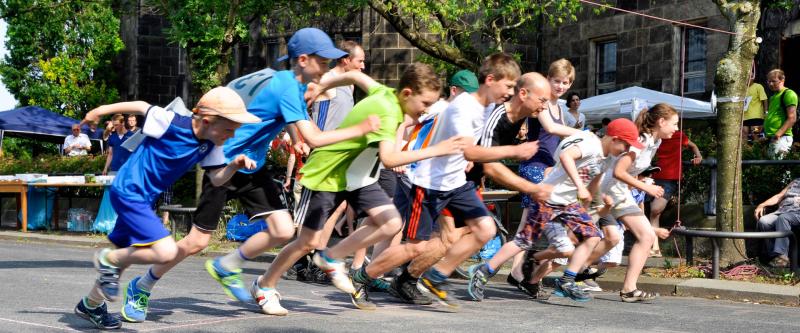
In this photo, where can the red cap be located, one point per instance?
(624, 130)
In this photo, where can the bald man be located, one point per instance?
(501, 127)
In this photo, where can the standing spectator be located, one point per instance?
(602, 131)
(77, 143)
(131, 123)
(117, 155)
(573, 117)
(668, 158)
(756, 108)
(781, 115)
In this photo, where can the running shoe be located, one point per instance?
(478, 278)
(512, 281)
(440, 290)
(108, 276)
(268, 300)
(589, 273)
(534, 290)
(136, 302)
(378, 285)
(315, 275)
(336, 271)
(231, 281)
(571, 290)
(98, 316)
(360, 298)
(408, 292)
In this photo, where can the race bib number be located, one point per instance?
(364, 170)
(250, 85)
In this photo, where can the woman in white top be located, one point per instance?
(573, 117)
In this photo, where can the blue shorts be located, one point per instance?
(420, 207)
(137, 224)
(533, 173)
(670, 188)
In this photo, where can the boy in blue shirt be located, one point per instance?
(174, 144)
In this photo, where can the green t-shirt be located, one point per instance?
(776, 114)
(354, 163)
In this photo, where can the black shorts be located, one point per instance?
(315, 207)
(753, 122)
(257, 192)
(388, 181)
(420, 207)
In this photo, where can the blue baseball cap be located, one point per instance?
(312, 41)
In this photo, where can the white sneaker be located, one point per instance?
(590, 285)
(268, 300)
(336, 271)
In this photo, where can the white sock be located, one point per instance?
(147, 281)
(232, 261)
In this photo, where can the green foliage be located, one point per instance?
(27, 148)
(60, 53)
(52, 164)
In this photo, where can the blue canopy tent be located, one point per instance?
(40, 124)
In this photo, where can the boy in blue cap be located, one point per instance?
(278, 103)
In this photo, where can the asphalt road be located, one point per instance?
(41, 283)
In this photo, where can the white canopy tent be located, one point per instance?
(629, 101)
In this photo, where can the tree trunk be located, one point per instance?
(731, 80)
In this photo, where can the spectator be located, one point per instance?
(573, 117)
(668, 158)
(755, 110)
(77, 143)
(602, 131)
(131, 123)
(785, 218)
(781, 115)
(117, 155)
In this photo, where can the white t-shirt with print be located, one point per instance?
(464, 116)
(592, 163)
(644, 158)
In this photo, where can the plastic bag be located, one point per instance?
(240, 229)
(40, 208)
(106, 216)
(490, 249)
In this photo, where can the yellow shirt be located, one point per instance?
(757, 97)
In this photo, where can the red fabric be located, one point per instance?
(669, 156)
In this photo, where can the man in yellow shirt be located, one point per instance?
(753, 120)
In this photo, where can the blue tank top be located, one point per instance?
(548, 143)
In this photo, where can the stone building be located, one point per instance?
(611, 51)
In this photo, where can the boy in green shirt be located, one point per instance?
(349, 170)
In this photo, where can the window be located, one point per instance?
(606, 67)
(695, 64)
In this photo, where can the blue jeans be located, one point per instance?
(778, 222)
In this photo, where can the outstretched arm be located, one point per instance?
(774, 200)
(551, 127)
(523, 151)
(138, 108)
(392, 157)
(314, 137)
(220, 176)
(504, 176)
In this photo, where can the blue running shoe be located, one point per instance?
(478, 278)
(231, 281)
(571, 290)
(136, 302)
(98, 316)
(108, 276)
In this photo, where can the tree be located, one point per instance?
(462, 32)
(60, 53)
(731, 80)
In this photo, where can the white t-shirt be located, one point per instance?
(464, 116)
(81, 139)
(644, 157)
(592, 163)
(570, 120)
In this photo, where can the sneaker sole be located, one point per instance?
(112, 298)
(367, 307)
(424, 289)
(472, 285)
(213, 272)
(637, 300)
(346, 287)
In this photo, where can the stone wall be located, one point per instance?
(648, 51)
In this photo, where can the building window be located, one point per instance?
(695, 64)
(606, 67)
